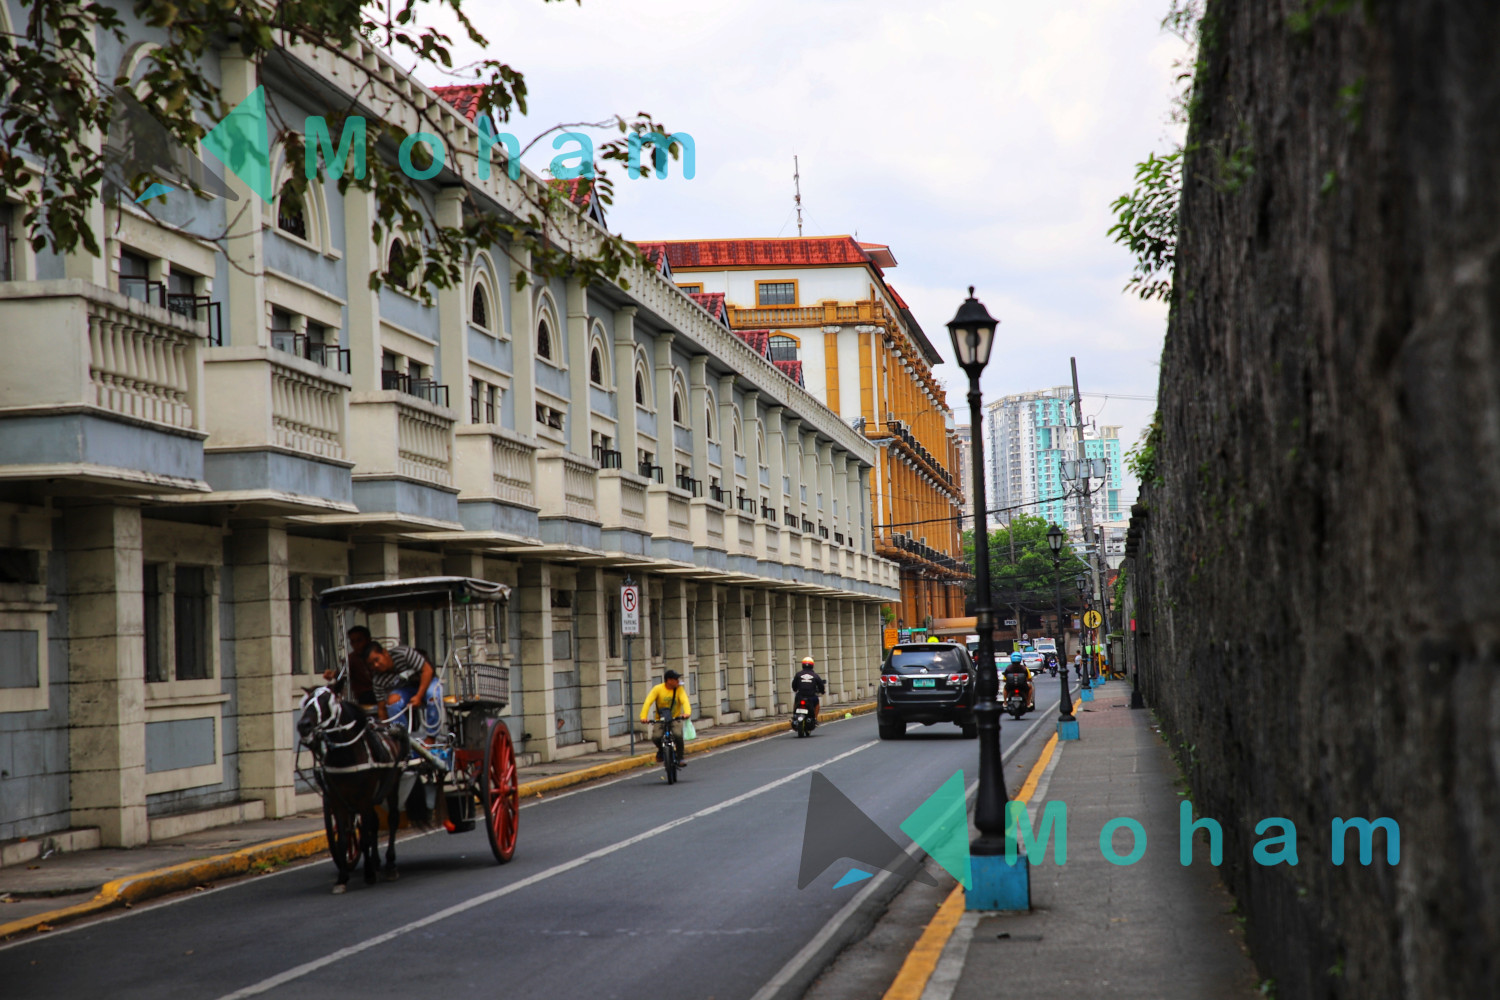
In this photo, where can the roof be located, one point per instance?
(464, 98)
(656, 253)
(809, 251)
(713, 303)
(415, 594)
(917, 333)
(880, 253)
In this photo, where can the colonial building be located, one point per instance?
(830, 319)
(199, 434)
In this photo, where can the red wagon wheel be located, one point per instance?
(502, 804)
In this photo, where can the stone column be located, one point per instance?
(726, 443)
(817, 611)
(674, 624)
(664, 424)
(578, 367)
(625, 388)
(453, 305)
(522, 346)
(738, 652)
(697, 417)
(262, 666)
(590, 626)
(786, 623)
(776, 443)
(245, 311)
(855, 670)
(711, 688)
(533, 594)
(764, 655)
(106, 672)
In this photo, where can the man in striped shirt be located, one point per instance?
(403, 676)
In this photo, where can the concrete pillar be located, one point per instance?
(697, 416)
(739, 651)
(372, 560)
(786, 622)
(726, 441)
(245, 311)
(674, 625)
(590, 625)
(578, 366)
(538, 693)
(855, 669)
(263, 657)
(625, 388)
(776, 444)
(818, 648)
(711, 688)
(763, 655)
(106, 672)
(453, 305)
(792, 437)
(522, 345)
(664, 425)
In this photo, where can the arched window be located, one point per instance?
(397, 270)
(708, 423)
(640, 390)
(676, 407)
(291, 217)
(760, 446)
(479, 310)
(544, 341)
(738, 450)
(596, 367)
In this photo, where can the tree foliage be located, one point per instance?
(1027, 579)
(58, 107)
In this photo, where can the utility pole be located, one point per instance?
(1085, 505)
(797, 184)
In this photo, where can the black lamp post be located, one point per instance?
(1082, 581)
(1054, 542)
(973, 331)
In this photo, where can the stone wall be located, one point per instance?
(1316, 574)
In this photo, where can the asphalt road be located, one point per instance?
(625, 890)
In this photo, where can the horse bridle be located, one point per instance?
(326, 728)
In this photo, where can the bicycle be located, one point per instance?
(669, 756)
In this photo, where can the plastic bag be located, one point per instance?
(688, 732)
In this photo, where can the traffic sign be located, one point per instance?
(1091, 618)
(892, 636)
(630, 610)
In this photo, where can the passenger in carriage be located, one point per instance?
(361, 682)
(404, 676)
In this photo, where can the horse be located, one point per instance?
(359, 765)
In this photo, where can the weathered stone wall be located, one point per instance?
(1320, 569)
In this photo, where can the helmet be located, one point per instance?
(807, 661)
(1017, 658)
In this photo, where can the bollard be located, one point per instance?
(997, 885)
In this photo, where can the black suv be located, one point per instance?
(926, 682)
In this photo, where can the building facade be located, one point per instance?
(828, 317)
(963, 471)
(199, 434)
(1030, 437)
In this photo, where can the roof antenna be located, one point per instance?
(797, 182)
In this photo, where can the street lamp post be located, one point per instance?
(1087, 694)
(994, 884)
(1067, 725)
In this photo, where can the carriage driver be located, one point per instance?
(672, 707)
(402, 676)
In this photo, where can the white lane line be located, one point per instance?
(306, 968)
(809, 953)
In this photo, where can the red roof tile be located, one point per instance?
(791, 369)
(464, 98)
(759, 340)
(712, 301)
(900, 302)
(792, 251)
(579, 190)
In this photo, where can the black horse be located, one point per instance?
(359, 765)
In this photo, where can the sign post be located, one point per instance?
(630, 626)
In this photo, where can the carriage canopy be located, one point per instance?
(424, 593)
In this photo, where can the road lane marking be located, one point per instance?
(307, 968)
(794, 968)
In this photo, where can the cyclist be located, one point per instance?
(807, 684)
(672, 706)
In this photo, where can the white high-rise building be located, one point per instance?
(1028, 437)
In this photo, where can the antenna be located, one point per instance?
(797, 183)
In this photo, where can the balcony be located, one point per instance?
(422, 388)
(567, 486)
(100, 387)
(495, 471)
(668, 517)
(299, 345)
(824, 313)
(622, 500)
(402, 446)
(278, 429)
(197, 307)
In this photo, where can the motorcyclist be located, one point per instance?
(1018, 674)
(807, 684)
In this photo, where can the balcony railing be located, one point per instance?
(607, 458)
(327, 355)
(423, 388)
(652, 472)
(747, 504)
(807, 526)
(822, 531)
(789, 518)
(200, 307)
(768, 512)
(7, 265)
(717, 493)
(691, 485)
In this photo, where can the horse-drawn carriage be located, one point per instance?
(465, 774)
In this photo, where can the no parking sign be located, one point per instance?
(630, 610)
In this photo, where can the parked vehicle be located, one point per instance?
(926, 683)
(804, 716)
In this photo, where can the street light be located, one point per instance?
(1065, 706)
(995, 885)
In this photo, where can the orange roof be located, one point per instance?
(464, 98)
(711, 301)
(579, 190)
(779, 252)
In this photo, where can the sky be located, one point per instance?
(983, 140)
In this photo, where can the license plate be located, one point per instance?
(924, 682)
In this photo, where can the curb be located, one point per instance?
(124, 892)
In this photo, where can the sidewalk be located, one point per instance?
(40, 894)
(1153, 929)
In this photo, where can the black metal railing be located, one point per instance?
(838, 538)
(7, 268)
(686, 482)
(768, 513)
(422, 388)
(747, 504)
(607, 458)
(789, 518)
(822, 531)
(327, 355)
(652, 471)
(202, 307)
(807, 526)
(716, 493)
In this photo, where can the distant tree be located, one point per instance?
(1021, 573)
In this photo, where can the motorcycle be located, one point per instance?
(1015, 698)
(804, 716)
(1052, 665)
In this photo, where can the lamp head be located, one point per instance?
(1054, 539)
(973, 331)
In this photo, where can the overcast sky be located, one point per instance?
(982, 139)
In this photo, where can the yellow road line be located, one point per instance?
(147, 885)
(923, 958)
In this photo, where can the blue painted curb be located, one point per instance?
(1067, 730)
(998, 885)
(1087, 694)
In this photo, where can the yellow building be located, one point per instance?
(822, 310)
